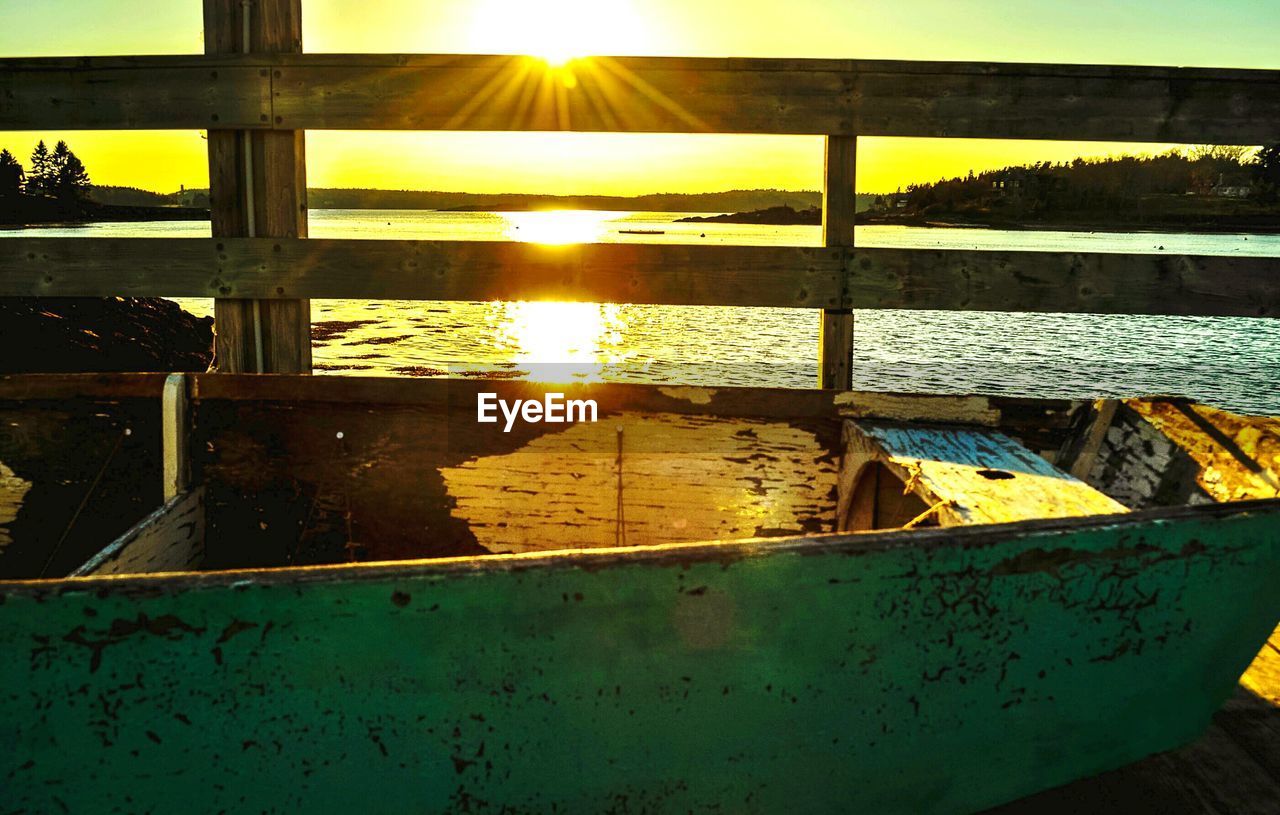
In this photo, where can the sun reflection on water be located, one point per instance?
(558, 342)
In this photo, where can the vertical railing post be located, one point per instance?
(175, 434)
(258, 188)
(839, 205)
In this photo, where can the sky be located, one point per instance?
(1215, 33)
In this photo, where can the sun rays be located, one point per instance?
(582, 94)
(555, 77)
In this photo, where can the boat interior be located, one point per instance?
(146, 473)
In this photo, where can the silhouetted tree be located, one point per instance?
(11, 175)
(1084, 185)
(1229, 153)
(1266, 173)
(70, 179)
(40, 181)
(57, 161)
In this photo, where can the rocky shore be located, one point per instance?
(91, 334)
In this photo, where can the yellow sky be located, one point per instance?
(1236, 33)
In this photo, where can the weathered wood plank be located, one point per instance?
(1046, 421)
(1014, 414)
(1095, 435)
(799, 277)
(298, 481)
(24, 387)
(1238, 457)
(286, 323)
(675, 478)
(1159, 452)
(1096, 283)
(646, 94)
(597, 94)
(1141, 467)
(795, 277)
(143, 93)
(171, 539)
(961, 476)
(839, 209)
(976, 410)
(1105, 103)
(622, 670)
(258, 188)
(236, 345)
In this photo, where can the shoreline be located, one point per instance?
(1228, 228)
(30, 212)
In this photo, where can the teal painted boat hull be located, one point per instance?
(922, 672)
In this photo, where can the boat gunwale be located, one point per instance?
(423, 390)
(671, 554)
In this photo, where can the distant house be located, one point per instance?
(1231, 187)
(1011, 181)
(891, 201)
(1019, 183)
(1231, 190)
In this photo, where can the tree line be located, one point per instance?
(1104, 184)
(56, 173)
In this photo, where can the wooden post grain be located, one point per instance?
(839, 205)
(265, 336)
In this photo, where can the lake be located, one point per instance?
(1229, 362)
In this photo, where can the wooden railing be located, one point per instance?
(256, 106)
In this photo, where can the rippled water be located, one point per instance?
(1231, 362)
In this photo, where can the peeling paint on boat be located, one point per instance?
(12, 490)
(733, 479)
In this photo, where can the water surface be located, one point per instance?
(1230, 362)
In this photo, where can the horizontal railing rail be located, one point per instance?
(643, 94)
(678, 274)
(266, 268)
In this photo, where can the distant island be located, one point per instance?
(445, 201)
(1210, 188)
(726, 201)
(32, 201)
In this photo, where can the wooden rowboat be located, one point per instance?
(353, 596)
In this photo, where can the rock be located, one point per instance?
(92, 334)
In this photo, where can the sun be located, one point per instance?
(558, 31)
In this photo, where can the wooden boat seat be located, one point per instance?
(895, 474)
